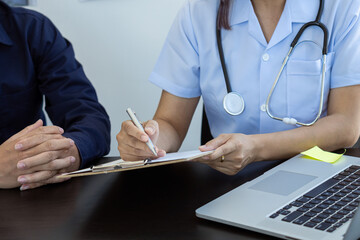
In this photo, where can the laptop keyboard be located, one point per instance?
(328, 206)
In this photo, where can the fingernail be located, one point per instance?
(24, 187)
(21, 165)
(18, 146)
(162, 153)
(71, 142)
(149, 130)
(205, 147)
(61, 130)
(144, 138)
(72, 159)
(206, 158)
(22, 180)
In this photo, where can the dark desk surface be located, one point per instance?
(154, 203)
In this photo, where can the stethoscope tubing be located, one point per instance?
(222, 58)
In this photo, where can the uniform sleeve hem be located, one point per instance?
(343, 81)
(173, 88)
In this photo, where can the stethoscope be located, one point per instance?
(233, 102)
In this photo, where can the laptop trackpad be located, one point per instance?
(283, 182)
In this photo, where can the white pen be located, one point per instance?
(138, 125)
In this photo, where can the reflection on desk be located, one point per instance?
(154, 203)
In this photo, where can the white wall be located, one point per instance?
(118, 42)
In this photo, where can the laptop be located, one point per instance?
(298, 199)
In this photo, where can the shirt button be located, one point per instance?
(266, 57)
(263, 108)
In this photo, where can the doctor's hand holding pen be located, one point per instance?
(132, 141)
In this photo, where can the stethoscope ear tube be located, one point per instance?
(309, 24)
(314, 23)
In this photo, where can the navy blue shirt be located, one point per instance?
(37, 64)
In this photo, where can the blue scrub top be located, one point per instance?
(189, 63)
(37, 63)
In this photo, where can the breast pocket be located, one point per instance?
(304, 88)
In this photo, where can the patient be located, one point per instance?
(38, 65)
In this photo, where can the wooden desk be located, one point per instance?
(155, 203)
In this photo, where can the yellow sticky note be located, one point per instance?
(317, 153)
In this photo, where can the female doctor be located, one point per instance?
(270, 97)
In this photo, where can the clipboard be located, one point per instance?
(121, 165)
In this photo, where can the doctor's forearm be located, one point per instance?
(329, 133)
(169, 140)
(174, 115)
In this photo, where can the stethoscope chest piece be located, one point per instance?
(233, 103)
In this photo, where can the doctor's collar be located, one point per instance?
(300, 11)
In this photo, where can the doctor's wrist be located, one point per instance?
(259, 147)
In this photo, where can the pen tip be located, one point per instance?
(154, 152)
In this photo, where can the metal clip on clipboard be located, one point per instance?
(120, 165)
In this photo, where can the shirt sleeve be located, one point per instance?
(177, 70)
(70, 99)
(345, 70)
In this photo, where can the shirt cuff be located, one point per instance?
(84, 147)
